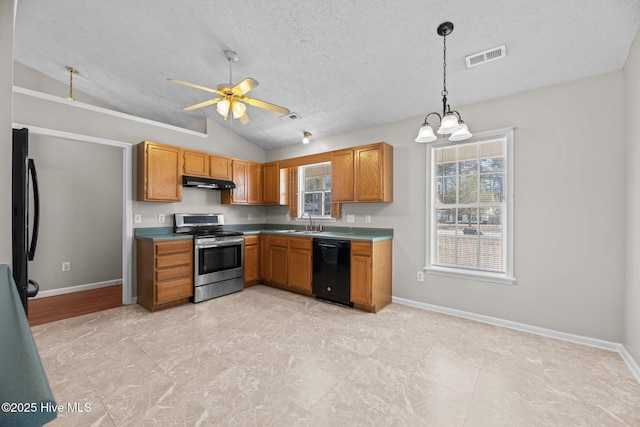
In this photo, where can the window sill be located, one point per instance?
(471, 275)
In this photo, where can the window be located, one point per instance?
(315, 189)
(470, 207)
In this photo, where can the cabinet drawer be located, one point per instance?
(183, 271)
(300, 243)
(278, 241)
(251, 240)
(361, 248)
(173, 247)
(174, 260)
(174, 289)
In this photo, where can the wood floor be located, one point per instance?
(58, 307)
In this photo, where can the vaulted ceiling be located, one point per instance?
(340, 65)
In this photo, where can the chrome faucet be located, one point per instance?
(310, 221)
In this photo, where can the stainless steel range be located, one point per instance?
(218, 255)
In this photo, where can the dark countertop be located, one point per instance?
(22, 376)
(159, 234)
(342, 233)
(163, 234)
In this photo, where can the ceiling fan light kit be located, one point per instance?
(232, 98)
(451, 122)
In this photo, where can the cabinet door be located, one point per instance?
(271, 184)
(251, 260)
(361, 277)
(277, 253)
(220, 167)
(254, 183)
(159, 172)
(239, 194)
(293, 192)
(264, 274)
(196, 163)
(368, 173)
(342, 188)
(300, 264)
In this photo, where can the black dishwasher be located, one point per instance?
(332, 270)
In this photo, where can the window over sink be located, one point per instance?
(315, 189)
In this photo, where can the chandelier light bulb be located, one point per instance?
(223, 108)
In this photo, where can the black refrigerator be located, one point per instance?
(24, 246)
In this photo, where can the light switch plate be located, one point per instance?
(367, 219)
(137, 219)
(250, 217)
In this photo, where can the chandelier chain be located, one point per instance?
(444, 66)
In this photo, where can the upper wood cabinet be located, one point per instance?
(159, 172)
(196, 163)
(271, 184)
(292, 195)
(342, 188)
(247, 176)
(363, 174)
(220, 167)
(373, 170)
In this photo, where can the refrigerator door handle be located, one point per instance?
(36, 210)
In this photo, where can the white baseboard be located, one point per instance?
(550, 333)
(78, 288)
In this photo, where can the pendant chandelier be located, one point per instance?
(451, 122)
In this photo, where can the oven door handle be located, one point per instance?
(218, 245)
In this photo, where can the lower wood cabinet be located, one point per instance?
(288, 263)
(251, 260)
(371, 274)
(299, 264)
(164, 273)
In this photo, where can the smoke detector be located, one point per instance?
(486, 56)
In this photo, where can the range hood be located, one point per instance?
(211, 183)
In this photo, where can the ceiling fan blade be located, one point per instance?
(244, 119)
(202, 104)
(180, 82)
(244, 86)
(266, 105)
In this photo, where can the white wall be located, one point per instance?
(569, 225)
(632, 219)
(7, 8)
(81, 212)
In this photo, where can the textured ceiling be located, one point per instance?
(341, 65)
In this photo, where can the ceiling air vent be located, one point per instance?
(486, 56)
(292, 115)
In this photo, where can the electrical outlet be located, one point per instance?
(137, 218)
(160, 218)
(420, 276)
(351, 218)
(367, 219)
(66, 266)
(250, 217)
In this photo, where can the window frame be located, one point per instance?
(506, 277)
(302, 192)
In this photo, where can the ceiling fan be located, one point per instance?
(231, 98)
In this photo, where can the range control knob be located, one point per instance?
(328, 288)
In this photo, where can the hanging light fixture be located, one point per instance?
(72, 71)
(451, 122)
(305, 138)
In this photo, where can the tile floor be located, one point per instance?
(267, 357)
